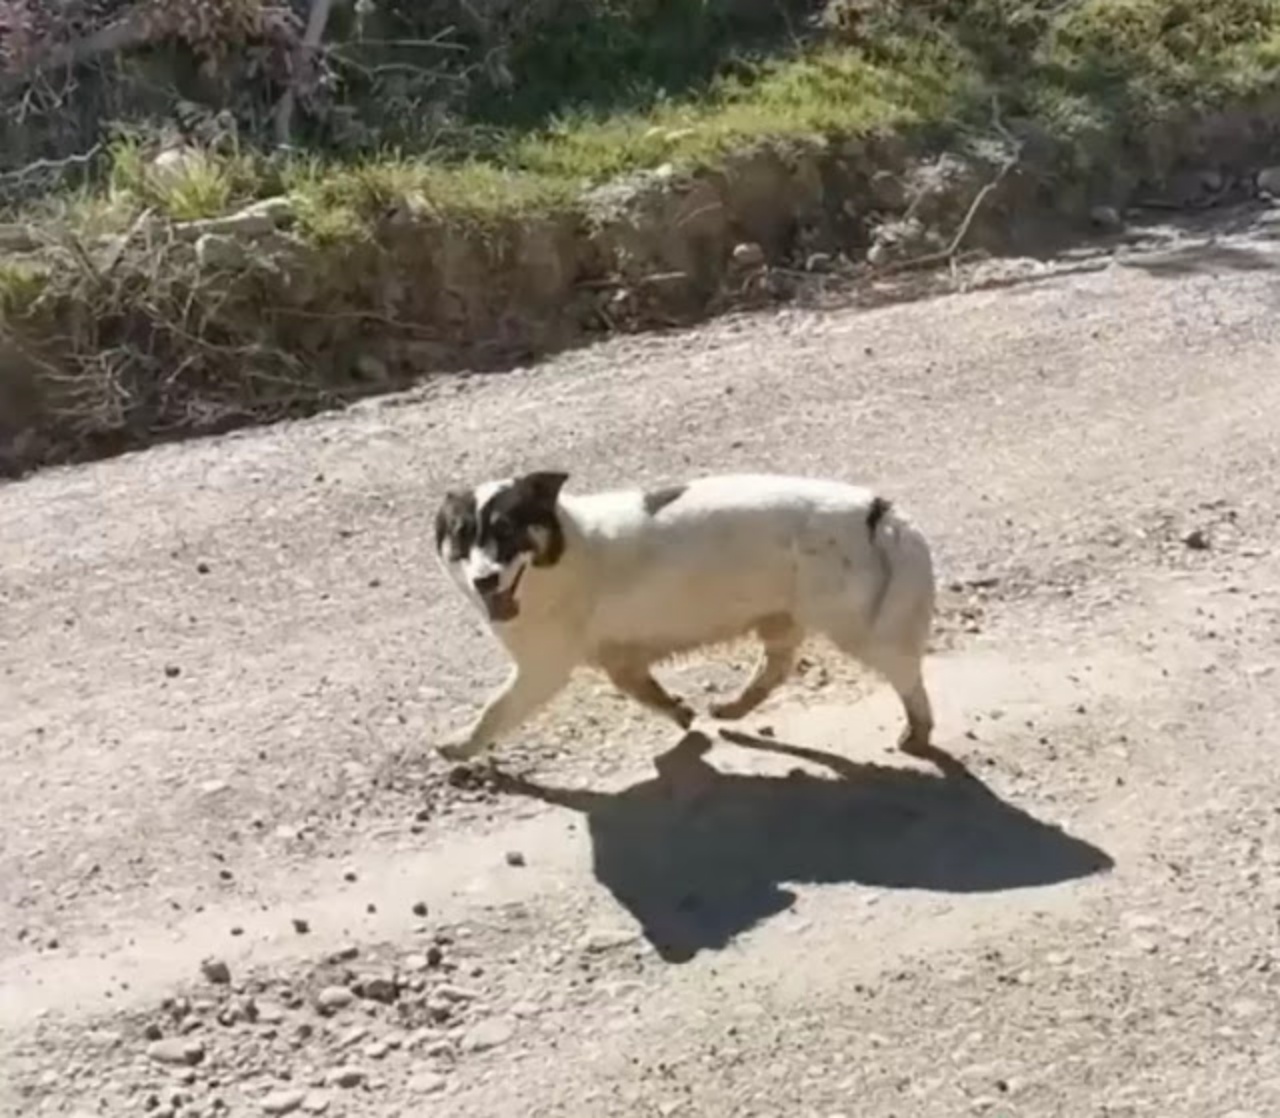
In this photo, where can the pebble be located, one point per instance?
(316, 1102)
(301, 926)
(419, 908)
(355, 1036)
(600, 940)
(427, 1083)
(515, 858)
(216, 971)
(333, 998)
(176, 1052)
(493, 1033)
(415, 962)
(455, 993)
(380, 988)
(270, 1013)
(283, 1102)
(346, 1076)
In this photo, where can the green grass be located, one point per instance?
(1081, 69)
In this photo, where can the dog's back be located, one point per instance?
(708, 561)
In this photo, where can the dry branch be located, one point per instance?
(130, 31)
(317, 19)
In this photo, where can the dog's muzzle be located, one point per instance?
(500, 604)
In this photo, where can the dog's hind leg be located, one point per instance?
(904, 672)
(781, 638)
(634, 678)
(525, 691)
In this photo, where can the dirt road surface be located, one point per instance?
(235, 879)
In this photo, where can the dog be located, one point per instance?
(623, 580)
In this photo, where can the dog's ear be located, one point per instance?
(543, 487)
(455, 520)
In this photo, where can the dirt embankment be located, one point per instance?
(177, 329)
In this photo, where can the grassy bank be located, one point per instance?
(153, 342)
(1090, 71)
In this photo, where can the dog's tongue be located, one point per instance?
(501, 606)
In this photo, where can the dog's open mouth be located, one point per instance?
(501, 605)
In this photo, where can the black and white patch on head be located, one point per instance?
(519, 517)
(493, 533)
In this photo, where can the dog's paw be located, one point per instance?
(915, 742)
(455, 750)
(684, 715)
(731, 711)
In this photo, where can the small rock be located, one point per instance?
(345, 954)
(1106, 217)
(345, 1076)
(333, 998)
(599, 940)
(427, 1083)
(220, 250)
(283, 1102)
(515, 858)
(420, 908)
(172, 671)
(748, 254)
(216, 971)
(380, 988)
(369, 367)
(377, 1050)
(435, 955)
(488, 1034)
(1196, 540)
(315, 1102)
(269, 1013)
(416, 962)
(301, 926)
(455, 993)
(176, 1052)
(1269, 181)
(213, 787)
(202, 568)
(354, 1036)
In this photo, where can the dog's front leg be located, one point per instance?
(635, 679)
(525, 690)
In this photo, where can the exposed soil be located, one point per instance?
(224, 662)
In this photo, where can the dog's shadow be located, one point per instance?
(699, 856)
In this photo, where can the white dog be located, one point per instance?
(623, 580)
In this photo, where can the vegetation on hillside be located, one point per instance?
(493, 105)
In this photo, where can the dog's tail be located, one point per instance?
(902, 615)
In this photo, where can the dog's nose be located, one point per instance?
(485, 584)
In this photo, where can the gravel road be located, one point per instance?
(235, 879)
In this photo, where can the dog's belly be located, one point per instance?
(674, 613)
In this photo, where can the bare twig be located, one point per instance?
(30, 170)
(131, 30)
(317, 18)
(948, 254)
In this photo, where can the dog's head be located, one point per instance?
(491, 535)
